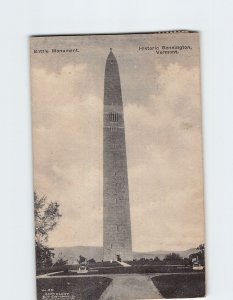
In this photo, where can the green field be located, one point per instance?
(181, 285)
(89, 288)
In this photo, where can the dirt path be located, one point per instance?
(131, 286)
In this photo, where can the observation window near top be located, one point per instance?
(113, 117)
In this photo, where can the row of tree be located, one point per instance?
(171, 258)
(175, 259)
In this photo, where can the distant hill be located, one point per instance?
(72, 253)
(161, 254)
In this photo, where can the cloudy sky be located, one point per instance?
(161, 97)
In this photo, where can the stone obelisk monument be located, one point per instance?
(117, 240)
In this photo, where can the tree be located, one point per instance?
(173, 258)
(61, 262)
(156, 259)
(201, 249)
(82, 259)
(46, 218)
(91, 261)
(44, 256)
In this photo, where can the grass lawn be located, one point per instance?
(181, 285)
(130, 270)
(89, 288)
(135, 269)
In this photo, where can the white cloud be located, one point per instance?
(165, 163)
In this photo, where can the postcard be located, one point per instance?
(118, 166)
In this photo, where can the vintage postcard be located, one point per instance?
(118, 171)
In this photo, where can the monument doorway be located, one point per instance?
(118, 257)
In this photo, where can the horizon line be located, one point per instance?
(145, 251)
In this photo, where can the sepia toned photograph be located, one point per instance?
(118, 166)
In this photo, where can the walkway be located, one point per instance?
(124, 264)
(131, 286)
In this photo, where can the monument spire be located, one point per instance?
(116, 216)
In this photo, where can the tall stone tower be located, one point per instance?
(117, 227)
